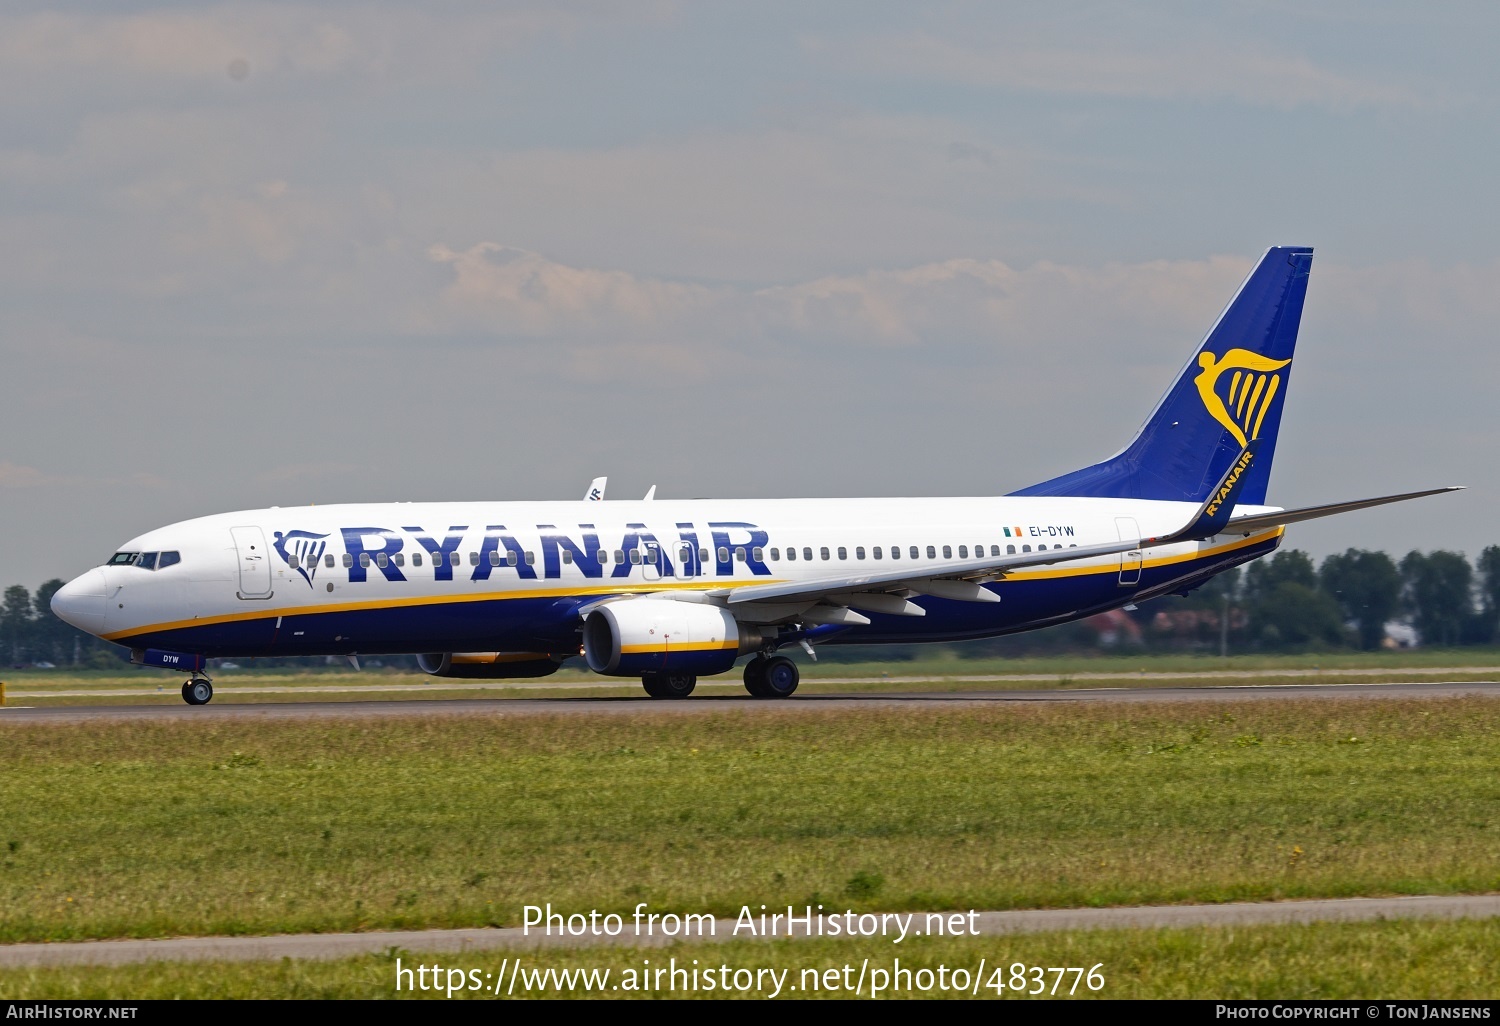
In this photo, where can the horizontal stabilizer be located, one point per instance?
(1261, 521)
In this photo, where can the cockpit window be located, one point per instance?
(147, 560)
(168, 559)
(122, 558)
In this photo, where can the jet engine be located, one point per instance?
(489, 665)
(647, 636)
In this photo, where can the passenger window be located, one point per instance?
(382, 560)
(931, 552)
(739, 553)
(292, 561)
(348, 560)
(473, 559)
(859, 552)
(684, 553)
(1025, 548)
(603, 556)
(758, 555)
(723, 554)
(703, 554)
(1010, 550)
(494, 557)
(530, 557)
(995, 549)
(895, 552)
(364, 560)
(400, 560)
(511, 559)
(619, 556)
(775, 554)
(791, 554)
(456, 558)
(416, 559)
(168, 559)
(947, 552)
(567, 556)
(635, 557)
(963, 552)
(1041, 548)
(823, 551)
(915, 554)
(328, 560)
(807, 553)
(843, 552)
(875, 552)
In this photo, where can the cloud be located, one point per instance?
(514, 292)
(1177, 67)
(14, 475)
(238, 45)
(959, 302)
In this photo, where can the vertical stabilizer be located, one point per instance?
(1230, 394)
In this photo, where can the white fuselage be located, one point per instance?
(435, 577)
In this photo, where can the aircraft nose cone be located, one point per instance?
(80, 602)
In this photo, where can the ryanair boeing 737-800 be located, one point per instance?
(668, 590)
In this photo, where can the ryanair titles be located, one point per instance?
(1228, 487)
(477, 554)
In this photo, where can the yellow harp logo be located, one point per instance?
(1242, 405)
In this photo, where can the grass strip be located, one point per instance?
(1383, 960)
(144, 829)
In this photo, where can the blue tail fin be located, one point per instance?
(1229, 394)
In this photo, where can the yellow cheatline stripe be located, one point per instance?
(1270, 394)
(1080, 571)
(665, 646)
(440, 600)
(430, 600)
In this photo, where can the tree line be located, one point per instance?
(1284, 602)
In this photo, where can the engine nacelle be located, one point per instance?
(627, 639)
(489, 665)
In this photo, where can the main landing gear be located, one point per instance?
(197, 691)
(776, 677)
(669, 685)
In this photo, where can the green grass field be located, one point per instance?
(143, 828)
(935, 668)
(1388, 960)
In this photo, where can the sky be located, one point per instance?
(258, 254)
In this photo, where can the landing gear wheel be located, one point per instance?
(198, 691)
(669, 685)
(781, 677)
(755, 677)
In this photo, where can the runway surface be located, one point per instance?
(220, 710)
(344, 945)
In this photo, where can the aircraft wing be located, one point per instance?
(956, 579)
(835, 598)
(1252, 522)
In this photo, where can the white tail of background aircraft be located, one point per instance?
(667, 590)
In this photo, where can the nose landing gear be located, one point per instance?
(197, 691)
